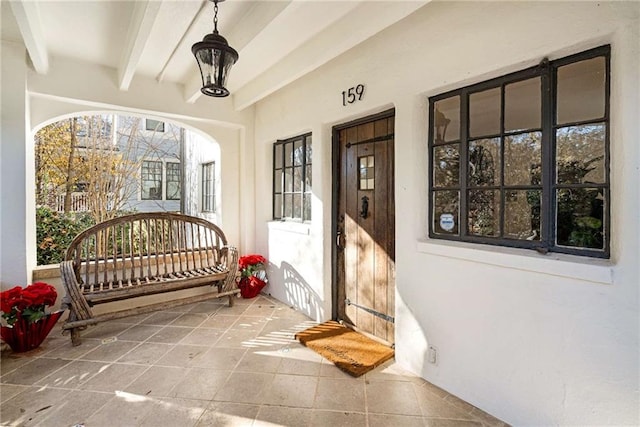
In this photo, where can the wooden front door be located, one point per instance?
(364, 223)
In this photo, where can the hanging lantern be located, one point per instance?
(215, 58)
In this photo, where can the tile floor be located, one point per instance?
(208, 364)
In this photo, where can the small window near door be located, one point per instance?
(292, 179)
(367, 173)
(154, 125)
(208, 187)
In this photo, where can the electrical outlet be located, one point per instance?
(433, 355)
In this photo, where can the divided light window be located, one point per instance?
(151, 177)
(208, 187)
(523, 160)
(173, 181)
(292, 179)
(154, 125)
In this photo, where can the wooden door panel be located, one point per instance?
(365, 259)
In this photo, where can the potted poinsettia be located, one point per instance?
(27, 323)
(253, 276)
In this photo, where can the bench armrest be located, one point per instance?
(230, 259)
(73, 296)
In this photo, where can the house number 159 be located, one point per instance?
(352, 95)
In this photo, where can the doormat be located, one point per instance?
(348, 350)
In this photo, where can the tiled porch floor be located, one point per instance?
(208, 364)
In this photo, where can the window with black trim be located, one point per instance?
(172, 189)
(292, 178)
(154, 125)
(523, 160)
(208, 187)
(151, 177)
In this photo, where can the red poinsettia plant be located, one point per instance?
(253, 276)
(27, 303)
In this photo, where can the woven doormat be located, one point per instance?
(348, 350)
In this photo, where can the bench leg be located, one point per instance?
(75, 337)
(231, 299)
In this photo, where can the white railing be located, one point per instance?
(79, 202)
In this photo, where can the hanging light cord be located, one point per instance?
(215, 17)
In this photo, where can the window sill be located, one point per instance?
(568, 266)
(290, 227)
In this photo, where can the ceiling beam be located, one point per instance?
(144, 16)
(27, 14)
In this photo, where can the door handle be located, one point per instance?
(338, 241)
(364, 211)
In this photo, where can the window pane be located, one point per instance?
(297, 178)
(522, 106)
(484, 212)
(307, 178)
(297, 206)
(173, 181)
(581, 91)
(298, 153)
(446, 212)
(522, 214)
(288, 180)
(522, 159)
(277, 160)
(151, 180)
(367, 173)
(288, 154)
(446, 165)
(278, 181)
(484, 113)
(307, 207)
(309, 149)
(580, 154)
(288, 205)
(484, 162)
(446, 121)
(580, 213)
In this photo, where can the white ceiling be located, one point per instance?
(153, 38)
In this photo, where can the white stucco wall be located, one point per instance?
(532, 339)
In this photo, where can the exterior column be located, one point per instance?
(17, 200)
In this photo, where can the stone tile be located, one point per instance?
(139, 333)
(109, 351)
(199, 383)
(161, 318)
(190, 319)
(182, 356)
(135, 319)
(30, 373)
(146, 353)
(257, 361)
(170, 335)
(236, 310)
(391, 397)
(253, 323)
(75, 408)
(71, 352)
(219, 321)
(291, 390)
(322, 418)
(73, 374)
(174, 412)
(10, 361)
(31, 406)
(292, 365)
(383, 420)
(444, 422)
(244, 387)
(10, 390)
(459, 403)
(114, 377)
(105, 330)
(328, 369)
(203, 336)
(262, 309)
(340, 395)
(220, 358)
(487, 419)
(434, 406)
(238, 338)
(125, 409)
(156, 381)
(269, 416)
(228, 415)
(208, 308)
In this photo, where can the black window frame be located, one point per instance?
(283, 198)
(208, 187)
(547, 71)
(167, 180)
(146, 176)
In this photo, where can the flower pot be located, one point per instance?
(24, 336)
(251, 286)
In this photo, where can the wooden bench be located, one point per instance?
(144, 254)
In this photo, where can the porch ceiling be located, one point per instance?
(278, 40)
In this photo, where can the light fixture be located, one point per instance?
(215, 58)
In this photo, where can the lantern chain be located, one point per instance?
(215, 17)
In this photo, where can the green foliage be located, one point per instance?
(55, 231)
